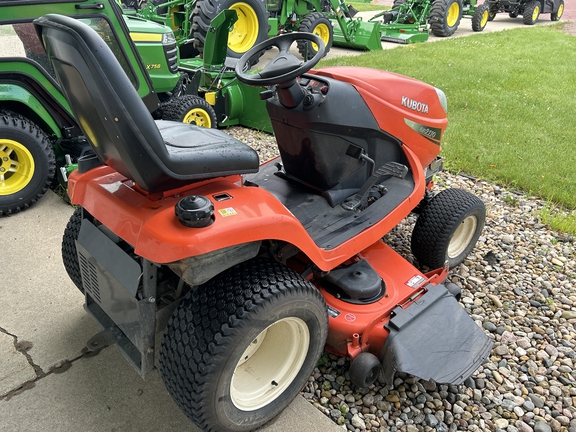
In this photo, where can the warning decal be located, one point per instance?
(229, 211)
(416, 281)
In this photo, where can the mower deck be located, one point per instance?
(330, 226)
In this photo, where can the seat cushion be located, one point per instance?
(200, 152)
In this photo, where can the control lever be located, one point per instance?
(359, 200)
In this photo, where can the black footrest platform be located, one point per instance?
(360, 199)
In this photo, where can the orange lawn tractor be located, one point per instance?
(232, 277)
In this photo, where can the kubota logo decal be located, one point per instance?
(412, 104)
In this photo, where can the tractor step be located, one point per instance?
(434, 338)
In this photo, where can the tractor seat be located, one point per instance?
(158, 156)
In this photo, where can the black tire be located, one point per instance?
(513, 15)
(531, 13)
(188, 51)
(69, 255)
(445, 17)
(555, 16)
(318, 24)
(364, 370)
(448, 228)
(493, 10)
(407, 18)
(190, 109)
(250, 29)
(27, 163)
(222, 323)
(481, 17)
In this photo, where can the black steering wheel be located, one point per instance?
(282, 68)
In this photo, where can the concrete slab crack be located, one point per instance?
(24, 347)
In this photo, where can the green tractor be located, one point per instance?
(530, 10)
(332, 20)
(212, 77)
(411, 21)
(40, 140)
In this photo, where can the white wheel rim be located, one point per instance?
(462, 237)
(270, 364)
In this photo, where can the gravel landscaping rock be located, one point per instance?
(518, 284)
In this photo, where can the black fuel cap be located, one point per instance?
(195, 211)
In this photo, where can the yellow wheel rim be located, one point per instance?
(453, 14)
(560, 11)
(199, 117)
(484, 19)
(323, 32)
(16, 168)
(244, 34)
(535, 13)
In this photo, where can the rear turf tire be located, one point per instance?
(445, 17)
(239, 348)
(448, 228)
(27, 163)
(69, 254)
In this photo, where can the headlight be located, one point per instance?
(168, 39)
(442, 99)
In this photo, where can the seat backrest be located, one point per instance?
(104, 101)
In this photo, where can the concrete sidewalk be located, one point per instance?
(46, 383)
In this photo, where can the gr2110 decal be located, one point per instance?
(431, 134)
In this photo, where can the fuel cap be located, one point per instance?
(195, 211)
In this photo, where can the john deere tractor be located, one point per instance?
(40, 140)
(411, 21)
(530, 10)
(332, 20)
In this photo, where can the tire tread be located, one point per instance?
(16, 121)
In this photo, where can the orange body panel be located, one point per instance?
(149, 224)
(390, 96)
(368, 320)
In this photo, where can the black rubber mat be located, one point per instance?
(330, 226)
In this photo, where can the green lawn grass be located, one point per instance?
(363, 7)
(511, 107)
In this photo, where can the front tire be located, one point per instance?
(531, 13)
(190, 109)
(445, 17)
(480, 17)
(555, 16)
(250, 29)
(239, 348)
(315, 23)
(27, 163)
(448, 228)
(493, 11)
